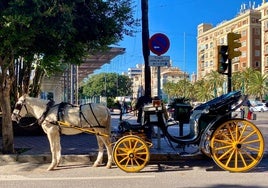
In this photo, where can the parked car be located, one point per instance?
(260, 107)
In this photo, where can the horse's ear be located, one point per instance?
(51, 102)
(25, 95)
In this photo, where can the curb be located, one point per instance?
(89, 158)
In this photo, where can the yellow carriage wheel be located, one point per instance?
(237, 145)
(131, 153)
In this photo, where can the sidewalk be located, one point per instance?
(83, 147)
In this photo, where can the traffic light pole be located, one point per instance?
(229, 75)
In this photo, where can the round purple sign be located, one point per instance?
(159, 44)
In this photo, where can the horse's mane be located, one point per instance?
(39, 101)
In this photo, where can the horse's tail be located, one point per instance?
(109, 120)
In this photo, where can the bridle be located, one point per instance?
(20, 104)
(18, 107)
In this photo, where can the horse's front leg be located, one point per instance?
(53, 136)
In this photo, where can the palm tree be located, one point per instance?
(215, 81)
(246, 76)
(202, 91)
(238, 81)
(257, 84)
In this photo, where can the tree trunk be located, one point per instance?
(7, 127)
(145, 47)
(6, 80)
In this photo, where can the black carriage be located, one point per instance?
(235, 144)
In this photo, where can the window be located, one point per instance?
(211, 44)
(266, 37)
(243, 33)
(257, 64)
(243, 54)
(235, 67)
(266, 49)
(257, 42)
(257, 53)
(257, 31)
(266, 24)
(47, 95)
(211, 63)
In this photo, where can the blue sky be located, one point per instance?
(178, 20)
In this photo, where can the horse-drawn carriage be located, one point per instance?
(235, 144)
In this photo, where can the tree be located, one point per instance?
(107, 84)
(257, 85)
(45, 35)
(202, 91)
(215, 81)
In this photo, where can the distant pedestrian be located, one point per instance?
(245, 109)
(133, 105)
(119, 106)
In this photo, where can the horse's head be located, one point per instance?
(20, 109)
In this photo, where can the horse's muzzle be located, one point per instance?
(15, 117)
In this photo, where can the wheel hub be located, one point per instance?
(131, 154)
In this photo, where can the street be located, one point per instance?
(183, 173)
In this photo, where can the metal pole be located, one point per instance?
(229, 75)
(158, 94)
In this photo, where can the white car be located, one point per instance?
(261, 107)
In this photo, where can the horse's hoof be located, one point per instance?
(95, 165)
(50, 168)
(108, 166)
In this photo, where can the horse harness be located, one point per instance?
(62, 107)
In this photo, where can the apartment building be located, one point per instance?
(167, 74)
(264, 35)
(248, 24)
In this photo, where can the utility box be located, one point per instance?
(182, 112)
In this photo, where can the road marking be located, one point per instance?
(23, 178)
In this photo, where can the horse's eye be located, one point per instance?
(18, 106)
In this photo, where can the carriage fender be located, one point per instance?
(215, 124)
(209, 130)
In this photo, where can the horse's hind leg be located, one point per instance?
(103, 140)
(100, 153)
(108, 146)
(55, 147)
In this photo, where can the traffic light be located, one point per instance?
(222, 58)
(233, 44)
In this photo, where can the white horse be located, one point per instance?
(96, 117)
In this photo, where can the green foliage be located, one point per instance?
(107, 84)
(52, 34)
(249, 81)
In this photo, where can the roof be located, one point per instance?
(93, 62)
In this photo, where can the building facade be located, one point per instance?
(248, 24)
(264, 35)
(167, 74)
